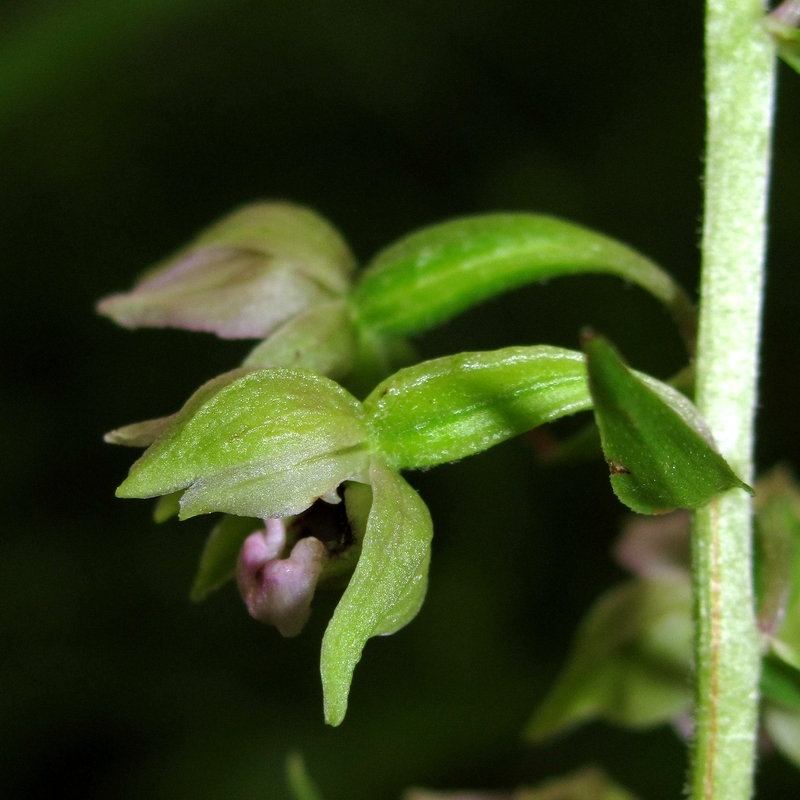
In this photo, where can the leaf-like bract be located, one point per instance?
(652, 440)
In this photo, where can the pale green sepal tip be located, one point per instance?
(385, 591)
(654, 440)
(300, 783)
(786, 38)
(452, 407)
(244, 276)
(783, 726)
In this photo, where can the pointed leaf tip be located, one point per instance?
(653, 438)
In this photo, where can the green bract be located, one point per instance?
(653, 438)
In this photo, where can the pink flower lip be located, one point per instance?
(278, 591)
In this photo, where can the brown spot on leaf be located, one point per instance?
(615, 468)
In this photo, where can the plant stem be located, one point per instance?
(740, 68)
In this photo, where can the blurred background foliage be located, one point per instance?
(125, 127)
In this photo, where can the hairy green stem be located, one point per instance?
(740, 68)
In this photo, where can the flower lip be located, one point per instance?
(278, 591)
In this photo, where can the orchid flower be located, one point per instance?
(289, 446)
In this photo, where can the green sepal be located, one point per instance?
(786, 38)
(221, 551)
(167, 507)
(266, 444)
(322, 339)
(435, 273)
(143, 434)
(243, 276)
(378, 357)
(387, 587)
(139, 434)
(629, 663)
(653, 438)
(300, 783)
(452, 407)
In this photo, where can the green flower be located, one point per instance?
(296, 449)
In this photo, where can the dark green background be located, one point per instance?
(127, 126)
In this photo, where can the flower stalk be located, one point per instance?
(740, 66)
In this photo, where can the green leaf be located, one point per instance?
(303, 788)
(245, 275)
(221, 551)
(453, 407)
(322, 339)
(387, 587)
(629, 663)
(439, 271)
(652, 438)
(267, 444)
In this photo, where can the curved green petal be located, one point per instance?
(452, 407)
(387, 587)
(437, 272)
